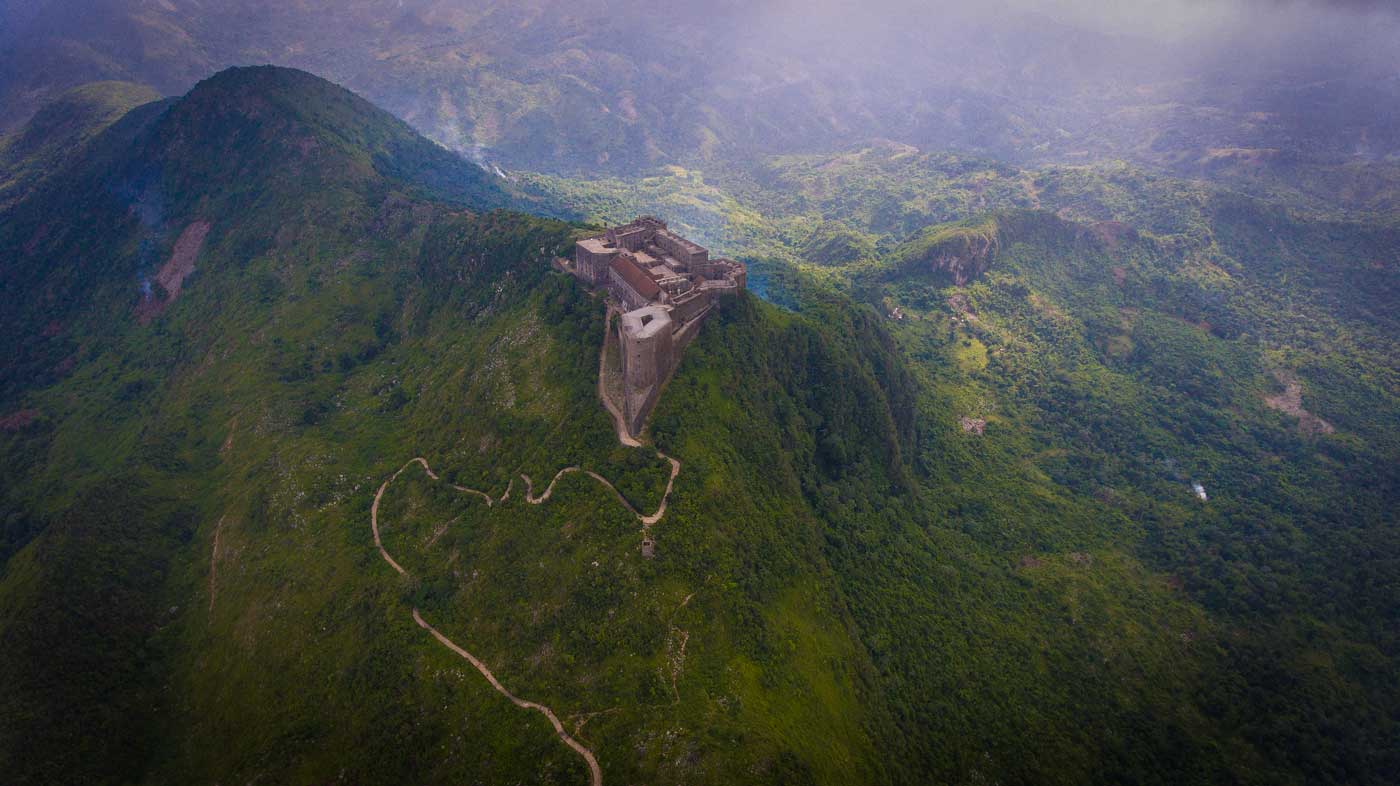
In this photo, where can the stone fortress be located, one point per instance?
(665, 286)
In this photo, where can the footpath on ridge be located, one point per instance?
(594, 771)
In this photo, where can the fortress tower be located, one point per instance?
(648, 358)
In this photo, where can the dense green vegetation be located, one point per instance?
(953, 547)
(338, 323)
(61, 130)
(1118, 355)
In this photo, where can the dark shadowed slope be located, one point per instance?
(247, 144)
(58, 134)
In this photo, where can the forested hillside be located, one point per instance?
(1124, 336)
(934, 519)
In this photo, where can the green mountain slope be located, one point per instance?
(60, 132)
(1148, 334)
(1135, 369)
(955, 548)
(247, 146)
(102, 339)
(336, 323)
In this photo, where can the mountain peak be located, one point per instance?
(270, 125)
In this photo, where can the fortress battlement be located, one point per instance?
(665, 285)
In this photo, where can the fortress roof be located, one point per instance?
(635, 277)
(647, 322)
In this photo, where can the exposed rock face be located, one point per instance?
(961, 252)
(964, 256)
(173, 273)
(961, 306)
(971, 425)
(18, 420)
(968, 249)
(171, 276)
(1290, 402)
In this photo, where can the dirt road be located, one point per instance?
(594, 771)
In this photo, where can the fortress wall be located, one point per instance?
(638, 408)
(583, 262)
(721, 269)
(711, 270)
(687, 307)
(648, 356)
(591, 263)
(596, 267)
(663, 306)
(630, 237)
(639, 362)
(672, 283)
(690, 330)
(624, 291)
(685, 252)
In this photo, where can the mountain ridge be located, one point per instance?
(239, 142)
(344, 341)
(924, 530)
(557, 87)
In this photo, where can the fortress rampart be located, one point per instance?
(665, 285)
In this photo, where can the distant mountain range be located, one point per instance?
(621, 87)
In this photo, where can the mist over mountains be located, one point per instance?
(624, 86)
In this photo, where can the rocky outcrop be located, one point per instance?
(1290, 402)
(960, 252)
(171, 276)
(966, 250)
(965, 256)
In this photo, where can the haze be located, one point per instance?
(1022, 80)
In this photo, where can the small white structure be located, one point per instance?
(1200, 491)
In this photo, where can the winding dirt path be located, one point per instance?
(214, 563)
(594, 771)
(647, 520)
